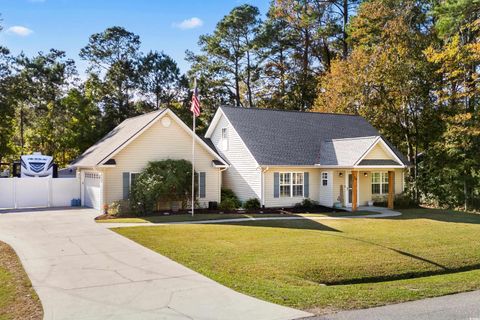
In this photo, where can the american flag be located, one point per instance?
(195, 108)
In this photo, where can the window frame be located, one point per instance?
(290, 184)
(224, 138)
(324, 179)
(130, 180)
(383, 182)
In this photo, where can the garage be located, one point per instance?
(92, 190)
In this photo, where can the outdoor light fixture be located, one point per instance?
(365, 174)
(340, 174)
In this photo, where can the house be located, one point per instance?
(283, 157)
(108, 167)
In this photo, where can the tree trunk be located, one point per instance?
(305, 63)
(344, 31)
(237, 85)
(249, 88)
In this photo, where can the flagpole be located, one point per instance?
(193, 166)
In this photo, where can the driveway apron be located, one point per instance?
(81, 270)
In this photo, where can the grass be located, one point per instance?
(216, 216)
(330, 264)
(18, 300)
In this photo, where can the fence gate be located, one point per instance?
(38, 192)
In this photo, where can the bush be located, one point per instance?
(119, 208)
(401, 201)
(404, 201)
(227, 204)
(252, 204)
(229, 194)
(306, 204)
(161, 181)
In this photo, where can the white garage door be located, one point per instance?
(92, 190)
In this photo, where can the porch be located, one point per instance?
(355, 188)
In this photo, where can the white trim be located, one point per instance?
(214, 123)
(161, 115)
(291, 184)
(385, 147)
(381, 172)
(358, 167)
(224, 140)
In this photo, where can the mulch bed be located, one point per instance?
(25, 304)
(316, 209)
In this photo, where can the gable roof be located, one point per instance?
(123, 134)
(293, 138)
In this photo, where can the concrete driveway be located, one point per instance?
(83, 271)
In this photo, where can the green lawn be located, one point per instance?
(216, 216)
(330, 264)
(18, 300)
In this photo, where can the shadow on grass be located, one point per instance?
(440, 215)
(301, 223)
(403, 276)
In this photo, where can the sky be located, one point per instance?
(169, 26)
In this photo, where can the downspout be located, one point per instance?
(262, 193)
(220, 182)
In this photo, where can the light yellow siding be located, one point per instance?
(160, 143)
(271, 201)
(378, 152)
(365, 184)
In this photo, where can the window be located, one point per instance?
(285, 187)
(225, 138)
(291, 184)
(380, 183)
(324, 178)
(133, 177)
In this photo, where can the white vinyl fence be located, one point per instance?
(38, 192)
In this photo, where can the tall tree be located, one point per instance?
(458, 59)
(113, 60)
(229, 51)
(387, 78)
(159, 77)
(47, 77)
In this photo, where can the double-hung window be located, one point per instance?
(380, 183)
(324, 178)
(291, 184)
(133, 178)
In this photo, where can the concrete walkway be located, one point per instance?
(462, 306)
(81, 270)
(382, 213)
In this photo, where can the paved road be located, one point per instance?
(462, 306)
(81, 270)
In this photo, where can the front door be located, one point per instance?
(349, 190)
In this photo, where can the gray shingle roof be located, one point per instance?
(378, 162)
(121, 134)
(344, 152)
(277, 137)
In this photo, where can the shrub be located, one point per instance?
(229, 194)
(404, 201)
(119, 208)
(161, 181)
(252, 204)
(306, 204)
(227, 204)
(379, 200)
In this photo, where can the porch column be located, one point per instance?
(391, 184)
(354, 190)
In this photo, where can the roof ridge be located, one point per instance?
(292, 111)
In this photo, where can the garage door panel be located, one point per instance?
(92, 190)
